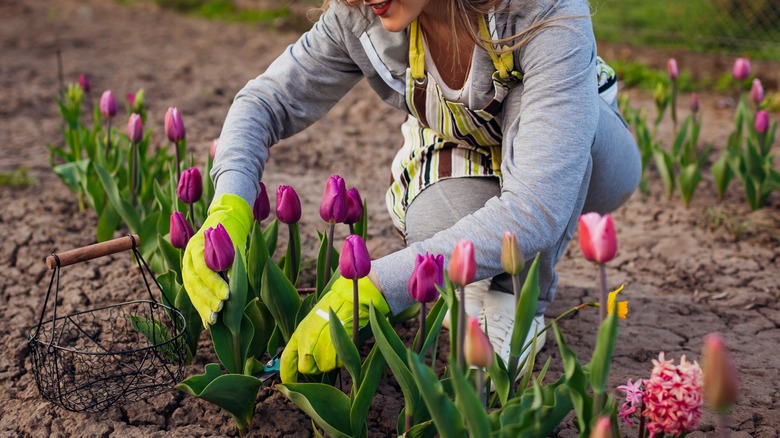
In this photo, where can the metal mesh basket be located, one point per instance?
(89, 360)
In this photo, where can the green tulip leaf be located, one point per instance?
(171, 255)
(234, 393)
(721, 174)
(663, 162)
(470, 405)
(263, 324)
(256, 257)
(445, 415)
(499, 377)
(271, 235)
(292, 258)
(169, 287)
(156, 334)
(345, 349)
(524, 315)
(233, 313)
(326, 405)
(576, 382)
(107, 224)
(194, 326)
(122, 206)
(426, 429)
(689, 178)
(282, 299)
(433, 323)
(321, 286)
(371, 374)
(361, 227)
(232, 349)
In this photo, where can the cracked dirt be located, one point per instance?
(683, 276)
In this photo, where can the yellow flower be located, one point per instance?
(622, 306)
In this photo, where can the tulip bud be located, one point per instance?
(512, 258)
(694, 103)
(84, 83)
(757, 91)
(720, 383)
(477, 349)
(181, 230)
(762, 122)
(602, 428)
(354, 206)
(108, 104)
(333, 207)
(354, 261)
(130, 99)
(213, 148)
(598, 239)
(219, 251)
(190, 186)
(174, 126)
(262, 207)
(135, 128)
(428, 273)
(288, 205)
(671, 68)
(741, 69)
(463, 266)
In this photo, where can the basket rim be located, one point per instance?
(34, 340)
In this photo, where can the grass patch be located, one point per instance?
(18, 178)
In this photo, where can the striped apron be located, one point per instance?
(444, 139)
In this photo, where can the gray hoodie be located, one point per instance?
(549, 122)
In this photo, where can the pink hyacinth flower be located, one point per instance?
(673, 396)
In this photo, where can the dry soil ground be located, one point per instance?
(683, 278)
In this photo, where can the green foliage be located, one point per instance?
(17, 178)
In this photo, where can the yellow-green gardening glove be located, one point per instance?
(310, 350)
(206, 289)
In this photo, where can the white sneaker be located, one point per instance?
(499, 316)
(475, 297)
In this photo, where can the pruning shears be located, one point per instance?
(271, 368)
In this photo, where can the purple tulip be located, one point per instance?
(84, 83)
(354, 261)
(131, 99)
(181, 230)
(219, 252)
(762, 122)
(694, 103)
(354, 206)
(671, 68)
(333, 207)
(428, 273)
(174, 126)
(741, 69)
(262, 207)
(190, 186)
(288, 205)
(757, 91)
(108, 104)
(135, 128)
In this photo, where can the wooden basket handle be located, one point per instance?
(93, 251)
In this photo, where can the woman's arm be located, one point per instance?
(296, 90)
(549, 126)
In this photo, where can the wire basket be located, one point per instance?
(89, 360)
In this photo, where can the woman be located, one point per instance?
(512, 126)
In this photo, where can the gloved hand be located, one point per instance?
(310, 349)
(206, 289)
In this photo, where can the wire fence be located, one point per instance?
(741, 27)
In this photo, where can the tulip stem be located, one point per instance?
(292, 244)
(674, 105)
(723, 426)
(328, 254)
(192, 214)
(461, 326)
(603, 296)
(178, 161)
(355, 313)
(133, 172)
(108, 138)
(480, 386)
(421, 331)
(351, 228)
(516, 290)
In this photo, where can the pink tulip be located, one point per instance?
(694, 103)
(602, 428)
(354, 206)
(333, 207)
(477, 349)
(262, 207)
(190, 186)
(463, 266)
(354, 261)
(108, 104)
(135, 128)
(174, 125)
(213, 148)
(671, 68)
(131, 99)
(84, 83)
(741, 69)
(219, 251)
(598, 239)
(757, 91)
(762, 122)
(181, 230)
(720, 382)
(428, 273)
(288, 205)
